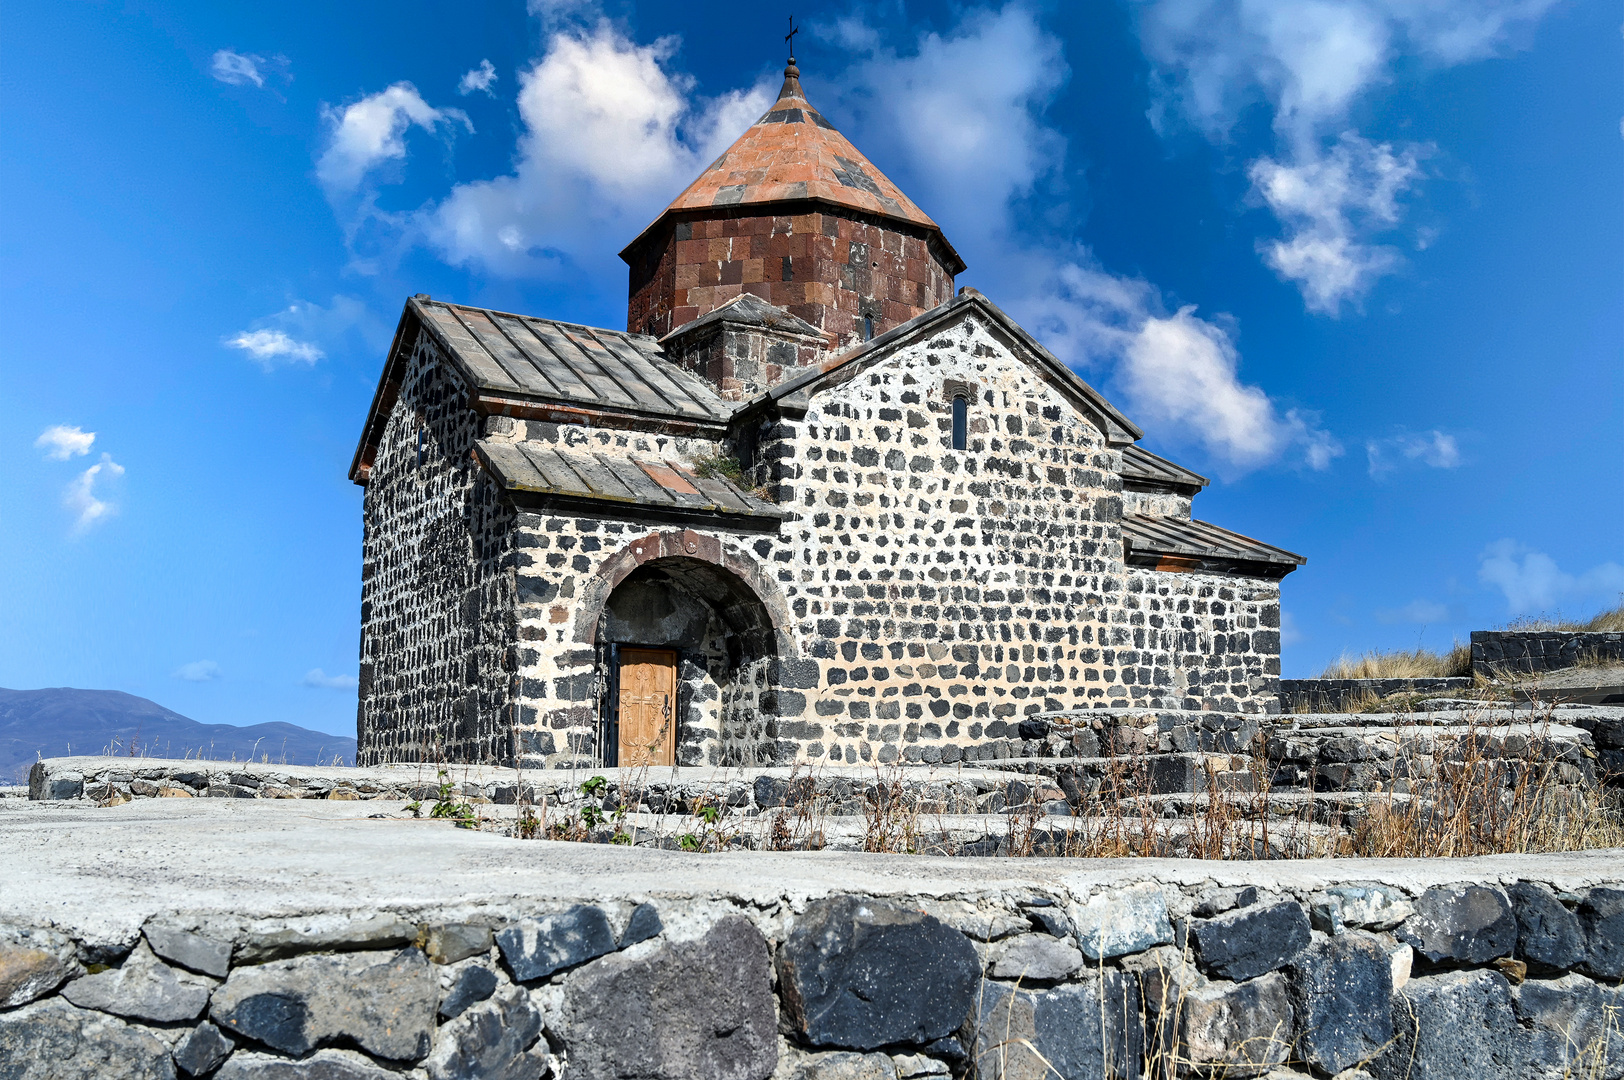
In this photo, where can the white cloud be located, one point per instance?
(291, 335)
(1176, 369)
(480, 78)
(610, 136)
(372, 131)
(964, 108)
(1423, 612)
(198, 671)
(850, 33)
(237, 69)
(1310, 60)
(1183, 370)
(272, 347)
(1330, 204)
(554, 13)
(1290, 632)
(964, 115)
(61, 442)
(82, 496)
(1432, 448)
(1533, 583)
(318, 678)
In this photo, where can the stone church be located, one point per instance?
(811, 505)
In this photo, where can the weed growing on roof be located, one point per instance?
(720, 467)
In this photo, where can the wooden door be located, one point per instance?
(648, 707)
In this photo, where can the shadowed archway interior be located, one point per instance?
(721, 638)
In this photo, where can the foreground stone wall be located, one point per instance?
(1027, 979)
(1496, 652)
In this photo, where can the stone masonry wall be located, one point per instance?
(742, 361)
(1494, 980)
(435, 605)
(1156, 504)
(829, 269)
(1200, 641)
(553, 557)
(1497, 652)
(945, 592)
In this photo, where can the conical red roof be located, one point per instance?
(793, 153)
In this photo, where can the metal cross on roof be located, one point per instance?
(789, 38)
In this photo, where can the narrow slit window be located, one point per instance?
(868, 327)
(961, 422)
(422, 447)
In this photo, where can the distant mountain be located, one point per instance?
(60, 721)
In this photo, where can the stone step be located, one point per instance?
(1153, 773)
(1362, 757)
(1329, 808)
(963, 834)
(959, 787)
(1363, 741)
(1435, 711)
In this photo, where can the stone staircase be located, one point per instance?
(1181, 777)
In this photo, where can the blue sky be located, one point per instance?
(1359, 260)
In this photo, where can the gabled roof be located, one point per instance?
(1176, 544)
(1144, 471)
(537, 474)
(748, 309)
(1118, 429)
(518, 365)
(791, 154)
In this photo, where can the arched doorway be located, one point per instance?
(685, 646)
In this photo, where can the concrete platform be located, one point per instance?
(105, 871)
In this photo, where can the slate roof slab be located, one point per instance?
(537, 473)
(1146, 471)
(1177, 544)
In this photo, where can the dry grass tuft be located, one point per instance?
(1417, 663)
(1608, 621)
(1483, 794)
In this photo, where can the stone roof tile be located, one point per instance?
(544, 475)
(1146, 538)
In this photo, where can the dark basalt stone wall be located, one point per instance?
(1530, 652)
(436, 606)
(1339, 695)
(1030, 981)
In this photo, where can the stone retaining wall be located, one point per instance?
(1506, 979)
(1531, 652)
(1339, 695)
(1083, 733)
